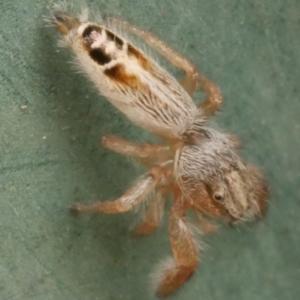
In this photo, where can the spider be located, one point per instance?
(197, 165)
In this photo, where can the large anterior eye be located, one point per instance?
(218, 196)
(216, 192)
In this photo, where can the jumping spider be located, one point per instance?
(198, 165)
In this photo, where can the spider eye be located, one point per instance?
(218, 197)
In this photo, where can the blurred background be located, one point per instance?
(51, 123)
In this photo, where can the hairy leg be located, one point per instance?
(153, 215)
(205, 225)
(137, 150)
(131, 198)
(193, 78)
(185, 250)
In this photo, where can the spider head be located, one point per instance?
(218, 182)
(241, 193)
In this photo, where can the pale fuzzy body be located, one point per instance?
(157, 102)
(198, 165)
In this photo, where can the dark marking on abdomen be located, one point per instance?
(112, 37)
(99, 56)
(87, 32)
(119, 74)
(143, 61)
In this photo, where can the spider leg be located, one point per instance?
(192, 79)
(185, 252)
(131, 198)
(137, 150)
(206, 226)
(153, 215)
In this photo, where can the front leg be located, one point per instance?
(173, 274)
(205, 225)
(126, 202)
(153, 215)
